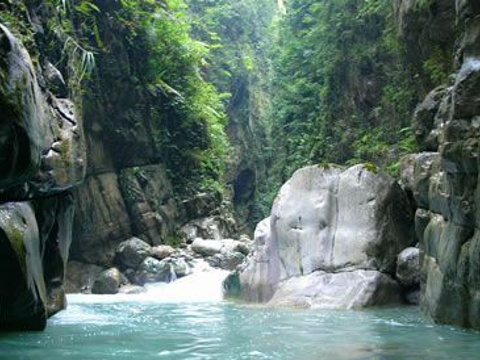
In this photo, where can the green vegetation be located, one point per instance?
(327, 82)
(342, 90)
(241, 35)
(161, 73)
(16, 238)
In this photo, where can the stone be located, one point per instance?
(212, 227)
(231, 285)
(344, 290)
(55, 221)
(226, 253)
(55, 81)
(202, 204)
(227, 260)
(131, 253)
(332, 220)
(245, 238)
(109, 282)
(413, 297)
(180, 267)
(422, 171)
(408, 267)
(243, 248)
(153, 270)
(161, 252)
(424, 120)
(22, 284)
(206, 247)
(22, 119)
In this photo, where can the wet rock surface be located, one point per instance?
(131, 253)
(445, 185)
(109, 282)
(42, 158)
(328, 226)
(138, 264)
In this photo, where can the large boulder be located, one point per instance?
(330, 220)
(22, 285)
(152, 270)
(225, 254)
(408, 274)
(408, 267)
(161, 252)
(109, 282)
(131, 253)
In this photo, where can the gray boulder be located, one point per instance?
(180, 267)
(344, 290)
(109, 282)
(22, 283)
(211, 227)
(408, 267)
(162, 251)
(331, 220)
(206, 247)
(131, 253)
(227, 260)
(152, 270)
(212, 247)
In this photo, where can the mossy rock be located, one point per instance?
(21, 269)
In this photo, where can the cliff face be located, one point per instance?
(100, 132)
(127, 191)
(445, 179)
(42, 157)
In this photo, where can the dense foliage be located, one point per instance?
(240, 34)
(326, 82)
(342, 90)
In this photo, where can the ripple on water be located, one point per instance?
(118, 330)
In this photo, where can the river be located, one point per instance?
(189, 320)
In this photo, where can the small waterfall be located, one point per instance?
(203, 285)
(173, 276)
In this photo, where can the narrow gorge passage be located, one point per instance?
(239, 179)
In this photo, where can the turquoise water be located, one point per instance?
(117, 328)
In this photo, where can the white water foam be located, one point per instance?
(203, 285)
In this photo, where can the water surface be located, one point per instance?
(109, 327)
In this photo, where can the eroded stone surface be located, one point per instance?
(328, 220)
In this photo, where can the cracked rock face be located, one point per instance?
(42, 156)
(446, 188)
(328, 221)
(42, 147)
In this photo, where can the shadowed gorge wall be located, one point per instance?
(153, 118)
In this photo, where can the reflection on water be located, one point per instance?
(118, 328)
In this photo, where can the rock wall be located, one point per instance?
(331, 241)
(42, 157)
(128, 189)
(445, 182)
